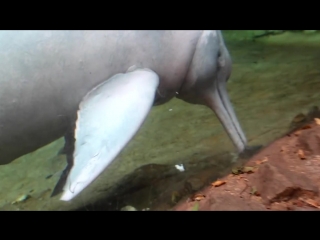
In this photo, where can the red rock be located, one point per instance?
(284, 182)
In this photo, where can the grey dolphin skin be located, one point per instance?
(99, 86)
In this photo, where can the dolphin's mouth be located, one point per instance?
(221, 105)
(217, 99)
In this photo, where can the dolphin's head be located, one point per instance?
(206, 81)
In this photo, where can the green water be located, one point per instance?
(273, 79)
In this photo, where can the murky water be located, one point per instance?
(273, 79)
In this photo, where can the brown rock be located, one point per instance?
(310, 140)
(194, 183)
(282, 182)
(225, 202)
(276, 183)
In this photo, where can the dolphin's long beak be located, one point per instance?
(220, 103)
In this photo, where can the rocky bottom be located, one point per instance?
(283, 176)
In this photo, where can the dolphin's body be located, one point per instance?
(115, 76)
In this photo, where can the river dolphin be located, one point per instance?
(97, 87)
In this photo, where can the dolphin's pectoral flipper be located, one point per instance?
(68, 150)
(108, 117)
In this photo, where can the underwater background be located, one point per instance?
(275, 77)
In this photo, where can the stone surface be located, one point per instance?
(286, 176)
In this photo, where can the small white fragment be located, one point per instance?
(22, 198)
(180, 167)
(128, 208)
(170, 109)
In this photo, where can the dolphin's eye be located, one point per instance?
(221, 61)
